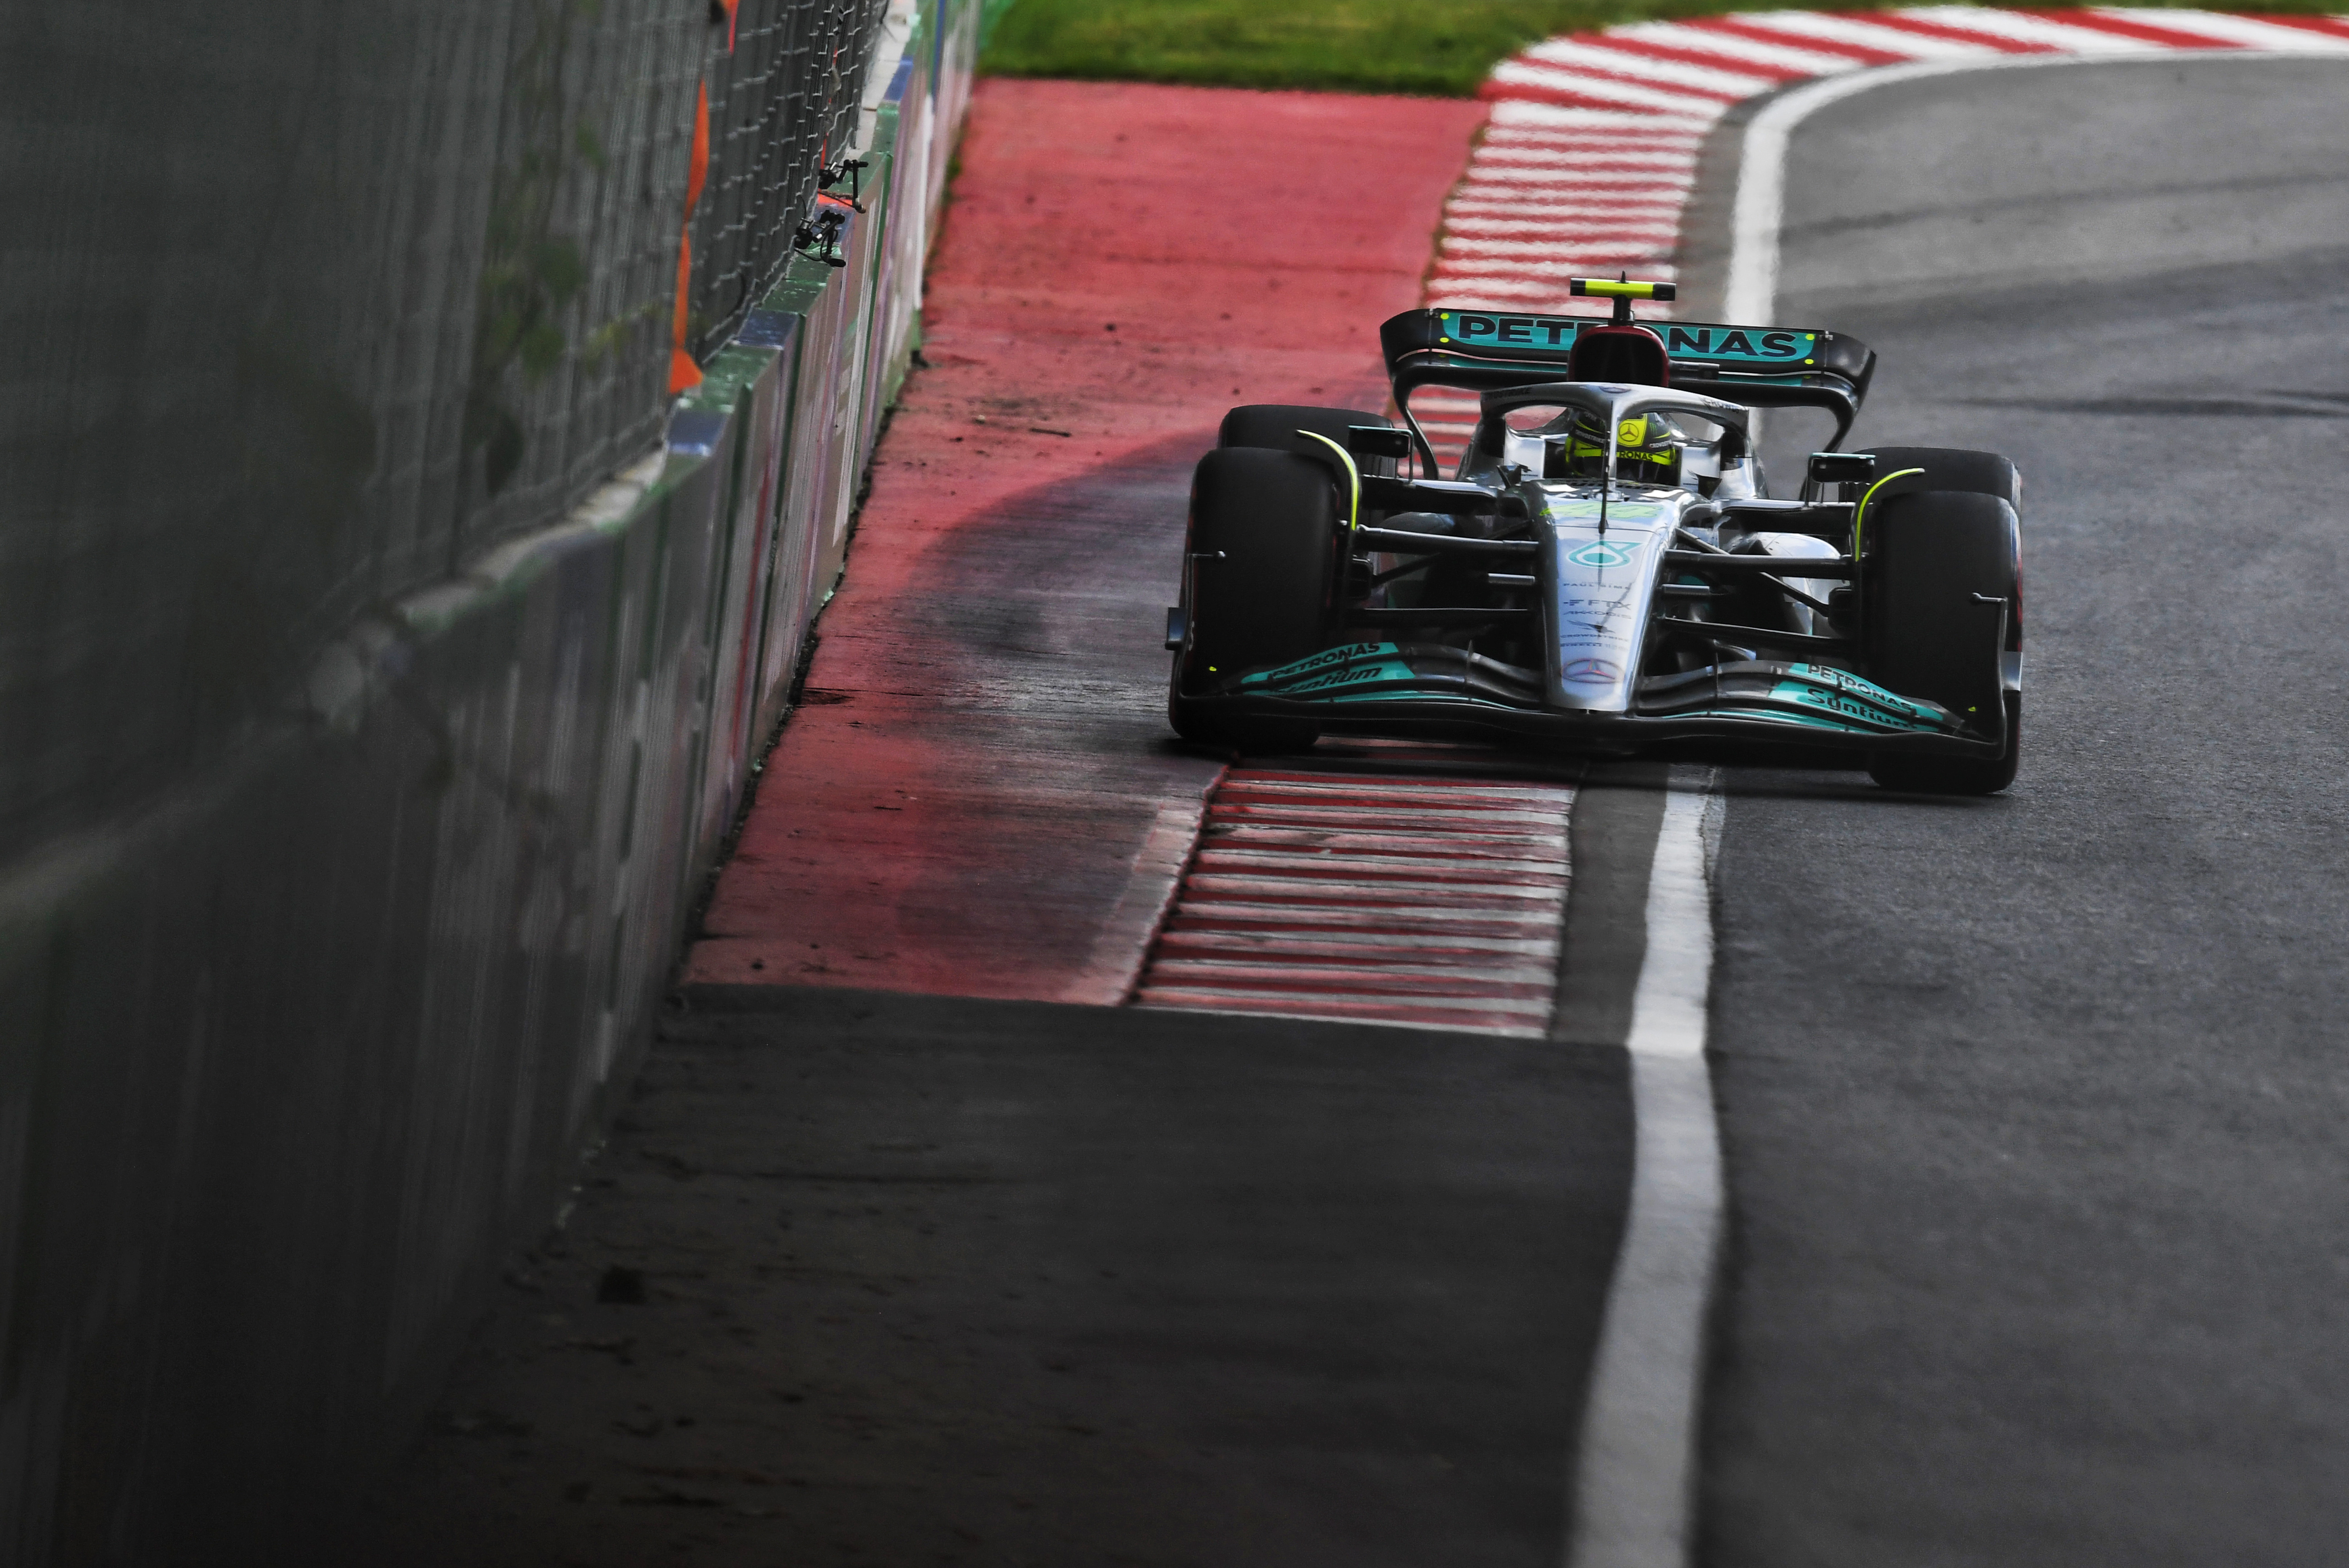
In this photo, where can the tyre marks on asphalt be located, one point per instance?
(1589, 158)
(1400, 899)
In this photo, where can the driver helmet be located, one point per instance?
(1647, 449)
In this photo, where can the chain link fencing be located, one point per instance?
(310, 304)
(782, 108)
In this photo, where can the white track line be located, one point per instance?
(1636, 1468)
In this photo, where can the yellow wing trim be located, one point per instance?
(1353, 479)
(1861, 510)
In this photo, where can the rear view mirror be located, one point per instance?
(1378, 441)
(1842, 467)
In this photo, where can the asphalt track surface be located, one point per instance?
(2032, 1107)
(916, 1279)
(2030, 1110)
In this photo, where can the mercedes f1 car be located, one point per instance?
(1605, 569)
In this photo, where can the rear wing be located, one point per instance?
(1761, 367)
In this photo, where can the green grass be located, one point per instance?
(1439, 48)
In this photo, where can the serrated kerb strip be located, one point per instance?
(1431, 901)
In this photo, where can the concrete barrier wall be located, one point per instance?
(291, 1062)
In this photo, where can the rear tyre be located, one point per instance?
(1261, 548)
(1935, 556)
(1275, 425)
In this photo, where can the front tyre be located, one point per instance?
(1939, 563)
(1259, 555)
(1946, 468)
(1278, 426)
(1955, 775)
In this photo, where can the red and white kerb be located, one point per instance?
(1428, 901)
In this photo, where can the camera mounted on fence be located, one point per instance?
(818, 237)
(850, 170)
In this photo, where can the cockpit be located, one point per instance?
(1644, 437)
(1655, 448)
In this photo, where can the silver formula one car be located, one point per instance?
(1605, 570)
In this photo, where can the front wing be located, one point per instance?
(1431, 688)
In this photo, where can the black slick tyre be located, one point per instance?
(1275, 425)
(1260, 554)
(1941, 563)
(1946, 468)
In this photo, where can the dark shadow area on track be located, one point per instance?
(1075, 568)
(1618, 811)
(1745, 782)
(863, 1278)
(998, 740)
(2032, 1106)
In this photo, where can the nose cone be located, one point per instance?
(1601, 588)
